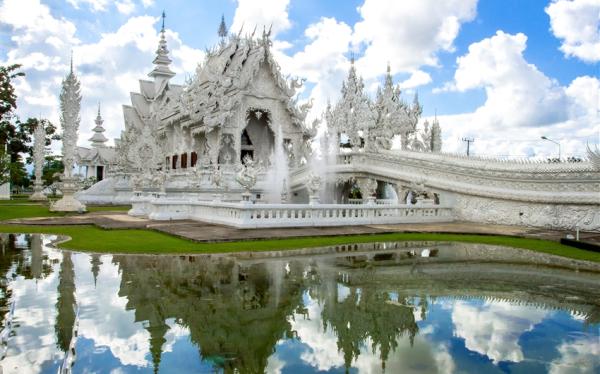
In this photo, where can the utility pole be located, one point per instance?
(469, 141)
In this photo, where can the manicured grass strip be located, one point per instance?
(30, 210)
(147, 241)
(26, 211)
(18, 202)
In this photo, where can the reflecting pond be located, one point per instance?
(381, 307)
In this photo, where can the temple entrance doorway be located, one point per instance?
(247, 147)
(257, 138)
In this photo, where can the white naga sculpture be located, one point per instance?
(70, 105)
(39, 150)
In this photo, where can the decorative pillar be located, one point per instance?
(368, 189)
(70, 105)
(39, 150)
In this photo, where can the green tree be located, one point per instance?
(52, 168)
(8, 98)
(16, 136)
(8, 103)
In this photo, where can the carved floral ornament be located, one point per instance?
(258, 113)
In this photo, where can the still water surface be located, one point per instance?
(420, 307)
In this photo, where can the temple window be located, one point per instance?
(168, 162)
(194, 159)
(174, 162)
(184, 160)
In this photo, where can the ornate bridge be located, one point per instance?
(535, 193)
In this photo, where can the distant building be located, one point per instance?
(97, 161)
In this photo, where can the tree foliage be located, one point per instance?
(8, 98)
(15, 135)
(52, 168)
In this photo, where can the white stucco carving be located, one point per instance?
(70, 105)
(39, 153)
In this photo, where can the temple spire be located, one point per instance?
(162, 72)
(98, 139)
(389, 82)
(222, 28)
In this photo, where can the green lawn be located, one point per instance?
(87, 237)
(146, 241)
(17, 201)
(27, 209)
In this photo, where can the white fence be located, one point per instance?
(247, 215)
(378, 201)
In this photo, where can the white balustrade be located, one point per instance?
(244, 215)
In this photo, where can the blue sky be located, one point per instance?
(505, 72)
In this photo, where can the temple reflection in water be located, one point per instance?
(394, 307)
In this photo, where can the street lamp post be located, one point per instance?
(555, 142)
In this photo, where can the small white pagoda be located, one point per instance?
(98, 160)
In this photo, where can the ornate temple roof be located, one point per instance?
(223, 79)
(96, 156)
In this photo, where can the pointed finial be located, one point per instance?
(222, 27)
(71, 61)
(389, 69)
(352, 58)
(98, 109)
(163, 21)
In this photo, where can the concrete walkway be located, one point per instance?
(204, 232)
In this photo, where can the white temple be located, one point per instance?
(233, 147)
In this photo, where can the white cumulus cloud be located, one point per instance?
(577, 356)
(416, 79)
(577, 24)
(408, 35)
(521, 102)
(322, 62)
(494, 330)
(262, 14)
(95, 5)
